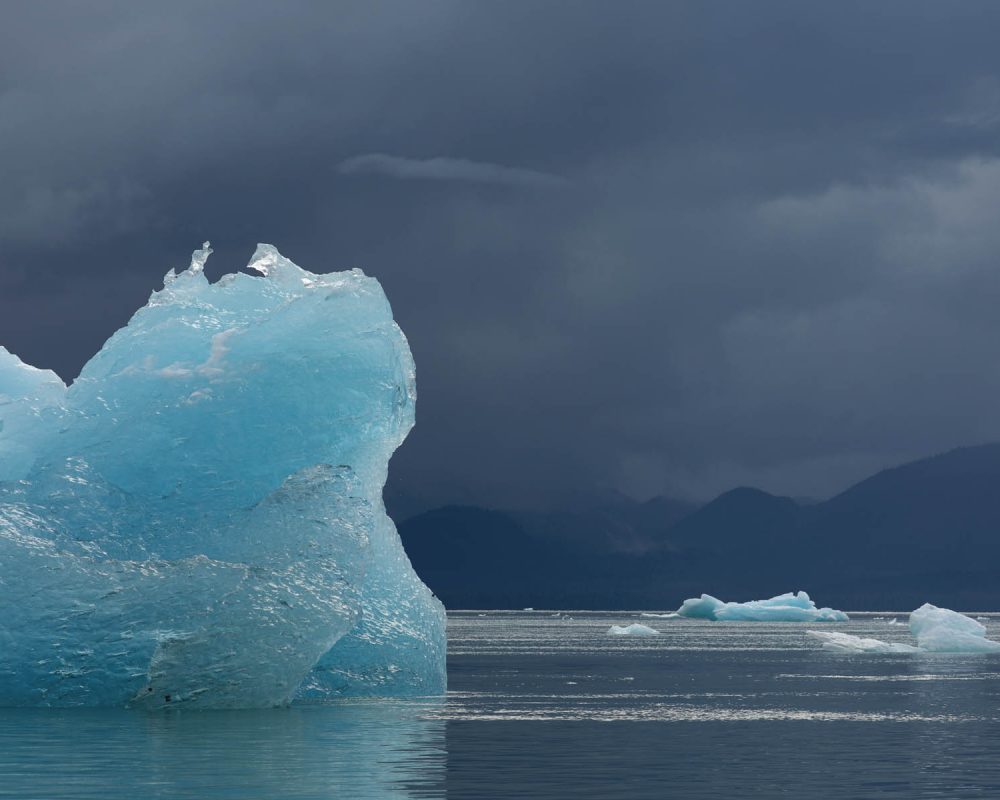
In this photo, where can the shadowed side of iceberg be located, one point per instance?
(398, 645)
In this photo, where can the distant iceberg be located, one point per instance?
(937, 630)
(198, 520)
(635, 629)
(790, 607)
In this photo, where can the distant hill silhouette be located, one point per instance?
(479, 558)
(928, 530)
(622, 526)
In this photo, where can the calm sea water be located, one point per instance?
(552, 707)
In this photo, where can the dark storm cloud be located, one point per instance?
(654, 246)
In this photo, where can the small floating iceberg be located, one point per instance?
(937, 630)
(790, 607)
(940, 630)
(846, 643)
(635, 629)
(668, 615)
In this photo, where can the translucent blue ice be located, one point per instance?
(790, 607)
(198, 518)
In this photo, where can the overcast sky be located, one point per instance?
(657, 247)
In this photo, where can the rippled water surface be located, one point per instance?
(545, 706)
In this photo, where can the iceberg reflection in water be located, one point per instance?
(349, 749)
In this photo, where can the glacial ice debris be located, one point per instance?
(937, 630)
(790, 607)
(941, 630)
(846, 643)
(635, 629)
(198, 518)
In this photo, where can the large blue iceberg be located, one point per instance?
(198, 518)
(788, 607)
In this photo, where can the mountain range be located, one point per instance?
(926, 531)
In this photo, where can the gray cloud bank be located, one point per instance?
(774, 261)
(446, 169)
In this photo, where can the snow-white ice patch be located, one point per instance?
(937, 630)
(846, 643)
(940, 630)
(635, 629)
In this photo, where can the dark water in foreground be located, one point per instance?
(546, 707)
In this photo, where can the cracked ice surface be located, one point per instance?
(198, 519)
